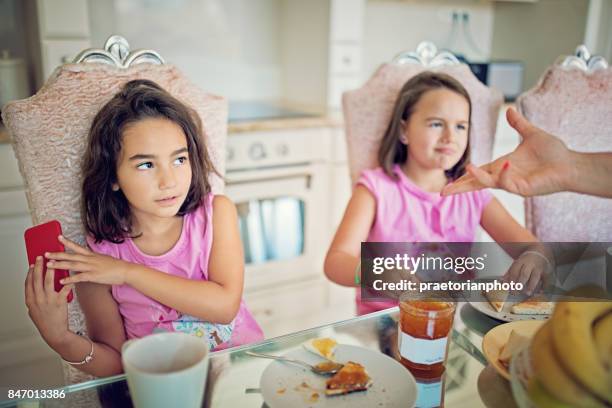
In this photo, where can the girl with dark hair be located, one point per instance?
(425, 147)
(164, 252)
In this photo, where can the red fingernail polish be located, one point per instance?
(506, 165)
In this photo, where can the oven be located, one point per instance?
(279, 182)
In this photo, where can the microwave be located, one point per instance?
(506, 76)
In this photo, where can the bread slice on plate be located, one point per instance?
(515, 342)
(535, 305)
(497, 298)
(352, 377)
(324, 347)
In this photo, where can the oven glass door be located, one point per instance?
(273, 216)
(272, 229)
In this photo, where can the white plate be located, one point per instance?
(497, 337)
(504, 315)
(393, 386)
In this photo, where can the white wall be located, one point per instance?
(395, 26)
(598, 33)
(548, 29)
(229, 47)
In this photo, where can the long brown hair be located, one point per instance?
(392, 150)
(106, 213)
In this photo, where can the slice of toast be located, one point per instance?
(535, 305)
(352, 377)
(497, 298)
(515, 342)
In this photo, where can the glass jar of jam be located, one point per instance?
(425, 325)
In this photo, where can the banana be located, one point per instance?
(602, 333)
(542, 398)
(572, 324)
(552, 377)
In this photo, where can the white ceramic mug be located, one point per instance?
(166, 370)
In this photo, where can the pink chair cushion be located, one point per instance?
(368, 110)
(49, 134)
(577, 107)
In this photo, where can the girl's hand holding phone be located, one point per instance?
(47, 308)
(90, 266)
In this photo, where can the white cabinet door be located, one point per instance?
(347, 20)
(281, 309)
(9, 170)
(345, 59)
(63, 18)
(58, 52)
(337, 85)
(19, 340)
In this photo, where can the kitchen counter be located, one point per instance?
(252, 116)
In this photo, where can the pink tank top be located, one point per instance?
(407, 213)
(188, 259)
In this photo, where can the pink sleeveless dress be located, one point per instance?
(188, 259)
(407, 213)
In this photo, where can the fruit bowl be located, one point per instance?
(520, 374)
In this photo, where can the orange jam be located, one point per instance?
(423, 335)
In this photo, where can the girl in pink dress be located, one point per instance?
(425, 147)
(164, 252)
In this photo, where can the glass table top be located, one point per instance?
(233, 379)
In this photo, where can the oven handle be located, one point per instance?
(306, 176)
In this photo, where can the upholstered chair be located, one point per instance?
(572, 100)
(49, 134)
(368, 110)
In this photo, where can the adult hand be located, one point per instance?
(47, 308)
(539, 165)
(91, 267)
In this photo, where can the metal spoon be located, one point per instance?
(327, 367)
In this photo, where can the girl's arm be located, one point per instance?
(344, 252)
(49, 313)
(501, 226)
(216, 300)
(105, 329)
(528, 268)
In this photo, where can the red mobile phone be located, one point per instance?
(43, 238)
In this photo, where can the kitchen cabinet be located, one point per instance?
(345, 49)
(315, 55)
(320, 63)
(62, 31)
(63, 18)
(20, 342)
